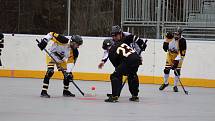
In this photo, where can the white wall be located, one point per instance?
(21, 53)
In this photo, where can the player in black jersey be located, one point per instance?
(131, 40)
(126, 62)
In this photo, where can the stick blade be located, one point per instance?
(186, 92)
(89, 95)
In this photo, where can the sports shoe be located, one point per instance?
(67, 93)
(175, 89)
(134, 98)
(112, 99)
(163, 86)
(44, 94)
(108, 95)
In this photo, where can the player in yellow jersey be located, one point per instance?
(175, 46)
(65, 52)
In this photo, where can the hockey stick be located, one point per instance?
(186, 92)
(108, 95)
(61, 69)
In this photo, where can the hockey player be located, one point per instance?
(107, 43)
(65, 53)
(1, 45)
(175, 46)
(132, 40)
(126, 62)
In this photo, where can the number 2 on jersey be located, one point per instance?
(125, 50)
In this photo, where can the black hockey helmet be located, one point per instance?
(169, 35)
(1, 36)
(115, 30)
(107, 43)
(77, 38)
(179, 31)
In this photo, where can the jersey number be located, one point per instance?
(125, 50)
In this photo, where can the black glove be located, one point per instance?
(143, 46)
(60, 56)
(68, 76)
(175, 64)
(42, 45)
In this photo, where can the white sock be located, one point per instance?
(176, 80)
(166, 76)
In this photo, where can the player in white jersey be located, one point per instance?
(65, 53)
(175, 46)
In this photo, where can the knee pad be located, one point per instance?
(178, 72)
(166, 71)
(133, 77)
(50, 72)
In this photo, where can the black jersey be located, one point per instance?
(121, 52)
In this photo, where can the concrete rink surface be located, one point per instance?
(20, 101)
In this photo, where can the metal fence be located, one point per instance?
(155, 17)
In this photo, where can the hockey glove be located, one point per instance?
(68, 76)
(42, 45)
(143, 46)
(175, 64)
(60, 56)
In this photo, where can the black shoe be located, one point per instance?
(112, 99)
(67, 93)
(163, 86)
(44, 94)
(175, 89)
(134, 98)
(108, 95)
